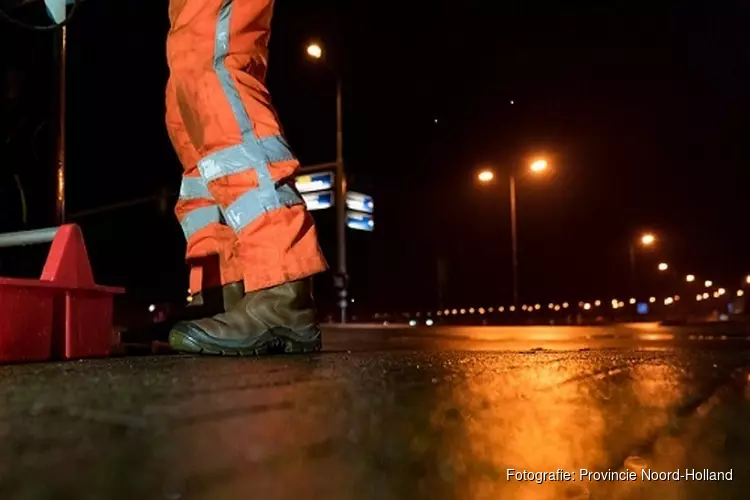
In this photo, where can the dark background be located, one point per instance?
(641, 107)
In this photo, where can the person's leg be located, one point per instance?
(210, 242)
(218, 53)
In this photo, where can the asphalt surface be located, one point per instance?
(438, 413)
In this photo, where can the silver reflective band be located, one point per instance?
(253, 153)
(194, 188)
(255, 203)
(200, 218)
(221, 51)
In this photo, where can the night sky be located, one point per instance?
(641, 108)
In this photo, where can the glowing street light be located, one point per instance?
(315, 51)
(663, 266)
(740, 293)
(747, 279)
(539, 166)
(708, 283)
(652, 299)
(647, 239)
(486, 176)
(690, 278)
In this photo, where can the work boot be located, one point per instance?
(214, 301)
(278, 319)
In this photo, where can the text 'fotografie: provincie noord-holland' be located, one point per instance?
(619, 475)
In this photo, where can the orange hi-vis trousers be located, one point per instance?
(238, 203)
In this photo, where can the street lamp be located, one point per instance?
(708, 283)
(645, 240)
(315, 51)
(485, 176)
(690, 278)
(663, 266)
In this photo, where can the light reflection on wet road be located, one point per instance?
(432, 413)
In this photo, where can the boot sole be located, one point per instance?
(278, 340)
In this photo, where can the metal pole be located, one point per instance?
(33, 237)
(633, 279)
(514, 237)
(341, 198)
(60, 194)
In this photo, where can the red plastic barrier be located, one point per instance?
(63, 315)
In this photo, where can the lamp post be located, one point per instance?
(315, 51)
(646, 240)
(486, 176)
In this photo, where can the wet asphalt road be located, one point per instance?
(388, 413)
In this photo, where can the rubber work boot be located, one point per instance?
(274, 320)
(214, 301)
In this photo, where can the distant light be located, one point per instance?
(523, 307)
(699, 297)
(557, 308)
(621, 304)
(315, 51)
(539, 166)
(648, 239)
(512, 101)
(706, 295)
(747, 279)
(352, 301)
(668, 301)
(740, 293)
(565, 305)
(189, 299)
(690, 278)
(491, 310)
(716, 295)
(652, 299)
(429, 322)
(721, 291)
(538, 306)
(708, 283)
(663, 266)
(436, 120)
(440, 313)
(486, 176)
(152, 308)
(412, 322)
(615, 302)
(586, 306)
(676, 298)
(454, 312)
(471, 310)
(551, 305)
(463, 311)
(481, 310)
(597, 303)
(632, 301)
(502, 309)
(511, 308)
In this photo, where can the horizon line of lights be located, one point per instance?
(615, 304)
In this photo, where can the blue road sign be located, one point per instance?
(360, 221)
(360, 202)
(56, 9)
(309, 183)
(318, 201)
